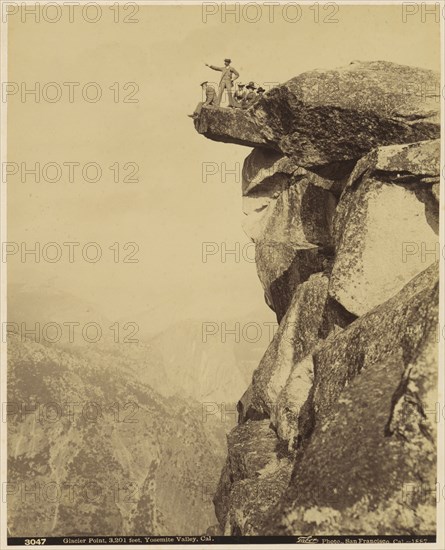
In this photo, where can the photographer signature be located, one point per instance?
(306, 540)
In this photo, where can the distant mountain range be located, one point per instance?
(93, 449)
(202, 359)
(127, 437)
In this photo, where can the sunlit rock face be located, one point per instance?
(386, 224)
(341, 197)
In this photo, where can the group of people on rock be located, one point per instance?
(245, 95)
(244, 98)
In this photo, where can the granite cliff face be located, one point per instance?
(337, 430)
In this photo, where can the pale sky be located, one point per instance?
(171, 211)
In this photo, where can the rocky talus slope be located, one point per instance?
(337, 430)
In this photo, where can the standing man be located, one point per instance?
(226, 81)
(210, 99)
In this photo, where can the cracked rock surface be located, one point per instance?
(337, 432)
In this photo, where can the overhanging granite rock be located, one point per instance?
(231, 126)
(326, 116)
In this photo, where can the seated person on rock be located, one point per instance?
(260, 92)
(251, 96)
(210, 99)
(240, 94)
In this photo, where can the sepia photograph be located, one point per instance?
(222, 247)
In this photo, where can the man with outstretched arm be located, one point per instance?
(229, 75)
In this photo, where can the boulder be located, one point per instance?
(297, 335)
(253, 480)
(289, 212)
(408, 163)
(265, 172)
(298, 264)
(368, 463)
(386, 225)
(325, 116)
(291, 399)
(294, 240)
(251, 500)
(265, 175)
(246, 409)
